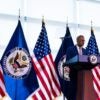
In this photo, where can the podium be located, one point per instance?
(83, 64)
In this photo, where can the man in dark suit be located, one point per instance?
(71, 52)
(77, 49)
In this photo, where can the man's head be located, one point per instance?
(80, 40)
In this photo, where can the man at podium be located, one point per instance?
(71, 52)
(77, 49)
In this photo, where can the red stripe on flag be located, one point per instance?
(2, 85)
(96, 80)
(46, 73)
(55, 80)
(47, 77)
(53, 77)
(97, 72)
(96, 83)
(43, 80)
(2, 93)
(38, 72)
(98, 99)
(50, 55)
(1, 76)
(42, 95)
(34, 97)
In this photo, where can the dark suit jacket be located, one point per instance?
(72, 51)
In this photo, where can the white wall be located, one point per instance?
(55, 13)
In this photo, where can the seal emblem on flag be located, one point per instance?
(63, 70)
(17, 63)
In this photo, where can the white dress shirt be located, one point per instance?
(79, 50)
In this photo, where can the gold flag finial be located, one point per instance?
(42, 18)
(91, 24)
(19, 14)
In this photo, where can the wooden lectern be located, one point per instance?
(84, 64)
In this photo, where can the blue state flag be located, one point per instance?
(66, 85)
(19, 76)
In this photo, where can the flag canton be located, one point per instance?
(92, 46)
(42, 47)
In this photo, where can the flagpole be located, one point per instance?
(42, 18)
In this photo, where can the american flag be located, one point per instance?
(2, 85)
(45, 68)
(92, 48)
